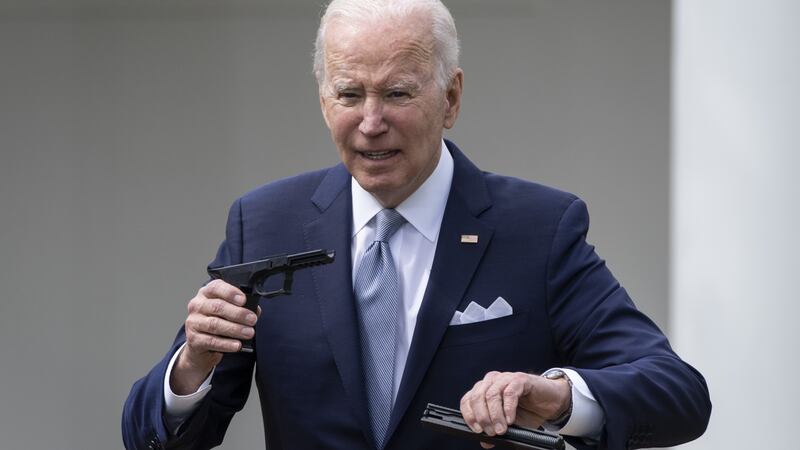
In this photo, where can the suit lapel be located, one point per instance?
(332, 230)
(453, 267)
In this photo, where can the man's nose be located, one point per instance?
(372, 121)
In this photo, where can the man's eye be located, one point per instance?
(348, 95)
(398, 94)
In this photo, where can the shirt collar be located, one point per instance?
(424, 209)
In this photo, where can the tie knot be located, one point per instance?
(387, 222)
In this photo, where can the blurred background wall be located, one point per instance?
(735, 213)
(127, 128)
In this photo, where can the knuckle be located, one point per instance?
(225, 290)
(190, 324)
(208, 289)
(510, 404)
(192, 306)
(191, 338)
(213, 325)
(216, 307)
(491, 375)
(196, 341)
(513, 385)
(493, 393)
(216, 288)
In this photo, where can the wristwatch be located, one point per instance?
(557, 374)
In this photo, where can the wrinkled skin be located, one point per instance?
(379, 99)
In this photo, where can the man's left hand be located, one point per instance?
(505, 398)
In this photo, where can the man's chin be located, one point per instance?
(378, 189)
(376, 183)
(387, 192)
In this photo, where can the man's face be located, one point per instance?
(380, 100)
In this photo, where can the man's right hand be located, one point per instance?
(216, 322)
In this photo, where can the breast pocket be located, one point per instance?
(487, 330)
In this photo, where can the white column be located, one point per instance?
(735, 286)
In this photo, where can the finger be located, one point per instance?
(211, 343)
(480, 409)
(220, 327)
(486, 445)
(224, 291)
(220, 308)
(490, 376)
(511, 395)
(468, 414)
(494, 404)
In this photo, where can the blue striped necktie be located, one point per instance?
(377, 293)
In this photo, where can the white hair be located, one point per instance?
(443, 29)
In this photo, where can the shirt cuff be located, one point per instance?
(587, 417)
(178, 408)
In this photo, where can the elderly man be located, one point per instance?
(451, 285)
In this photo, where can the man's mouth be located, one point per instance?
(377, 156)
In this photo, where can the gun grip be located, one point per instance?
(252, 304)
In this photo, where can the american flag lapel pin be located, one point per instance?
(469, 238)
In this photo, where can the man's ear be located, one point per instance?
(453, 98)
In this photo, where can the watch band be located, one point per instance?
(561, 420)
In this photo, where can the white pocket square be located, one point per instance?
(477, 313)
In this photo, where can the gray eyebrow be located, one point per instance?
(404, 85)
(341, 85)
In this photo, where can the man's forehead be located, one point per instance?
(395, 60)
(384, 40)
(414, 23)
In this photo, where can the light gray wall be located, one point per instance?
(734, 301)
(127, 128)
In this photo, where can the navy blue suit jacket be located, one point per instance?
(569, 311)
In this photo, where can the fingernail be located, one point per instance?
(251, 318)
(498, 428)
(239, 298)
(247, 331)
(478, 429)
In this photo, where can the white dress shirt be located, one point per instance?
(413, 247)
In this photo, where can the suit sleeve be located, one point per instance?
(650, 397)
(143, 425)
